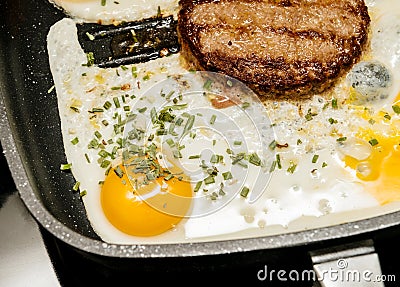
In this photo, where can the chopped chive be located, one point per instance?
(244, 192)
(237, 158)
(150, 176)
(197, 187)
(87, 157)
(334, 103)
(332, 121)
(324, 164)
(214, 196)
(227, 175)
(83, 193)
(90, 59)
(75, 141)
(169, 95)
(387, 116)
(255, 159)
(107, 105)
(214, 158)
(66, 166)
(245, 105)
(90, 36)
(212, 120)
(161, 132)
(51, 89)
(134, 72)
(102, 153)
(98, 134)
(292, 167)
(177, 154)
(207, 84)
(127, 108)
(75, 109)
(373, 142)
(189, 124)
(396, 109)
(153, 115)
(214, 142)
(93, 144)
(179, 121)
(76, 186)
(170, 142)
(168, 177)
(118, 171)
(142, 110)
(116, 102)
(237, 143)
(299, 142)
(309, 116)
(315, 158)
(105, 163)
(104, 122)
(159, 15)
(194, 156)
(371, 121)
(272, 145)
(273, 166)
(341, 139)
(209, 180)
(103, 2)
(278, 161)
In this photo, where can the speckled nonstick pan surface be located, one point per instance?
(31, 139)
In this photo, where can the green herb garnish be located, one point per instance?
(373, 142)
(66, 166)
(245, 191)
(396, 109)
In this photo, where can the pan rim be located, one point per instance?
(43, 217)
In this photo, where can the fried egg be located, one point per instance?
(161, 154)
(113, 12)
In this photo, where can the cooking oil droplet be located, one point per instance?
(364, 168)
(295, 188)
(324, 206)
(262, 223)
(248, 215)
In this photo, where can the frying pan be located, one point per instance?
(32, 142)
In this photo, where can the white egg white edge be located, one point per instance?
(116, 11)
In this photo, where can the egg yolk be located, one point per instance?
(380, 171)
(150, 210)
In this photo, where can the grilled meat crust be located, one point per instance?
(276, 47)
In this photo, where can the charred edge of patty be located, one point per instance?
(327, 74)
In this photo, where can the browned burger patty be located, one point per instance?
(288, 47)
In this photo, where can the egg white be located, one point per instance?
(313, 194)
(115, 11)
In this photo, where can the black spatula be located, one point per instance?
(130, 42)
